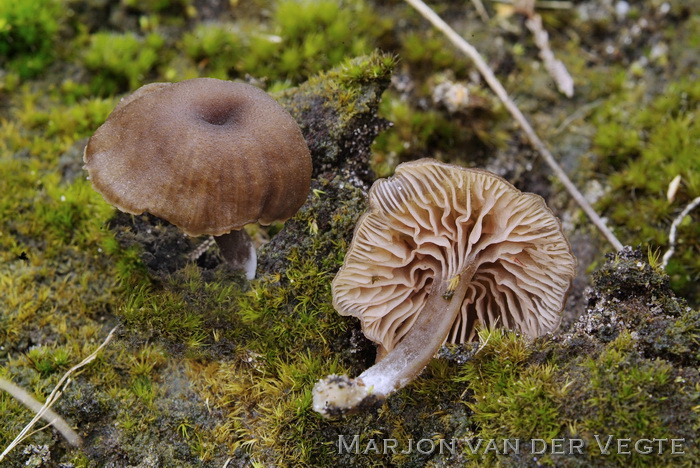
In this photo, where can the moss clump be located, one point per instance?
(512, 398)
(121, 62)
(462, 136)
(47, 361)
(301, 39)
(631, 296)
(635, 374)
(648, 148)
(216, 49)
(621, 394)
(314, 36)
(427, 52)
(336, 111)
(626, 396)
(28, 30)
(287, 330)
(414, 134)
(175, 314)
(173, 7)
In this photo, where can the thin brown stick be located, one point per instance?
(502, 94)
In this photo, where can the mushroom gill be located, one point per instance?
(441, 251)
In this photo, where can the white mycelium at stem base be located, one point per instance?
(339, 394)
(442, 249)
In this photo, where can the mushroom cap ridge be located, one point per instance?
(429, 222)
(206, 155)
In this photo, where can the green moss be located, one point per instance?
(301, 39)
(682, 337)
(510, 398)
(121, 62)
(216, 49)
(47, 361)
(129, 270)
(282, 334)
(178, 315)
(52, 218)
(422, 124)
(411, 136)
(314, 36)
(58, 284)
(161, 6)
(625, 392)
(434, 133)
(76, 120)
(427, 52)
(648, 148)
(28, 31)
(515, 395)
(625, 396)
(336, 111)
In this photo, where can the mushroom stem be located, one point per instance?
(238, 250)
(336, 395)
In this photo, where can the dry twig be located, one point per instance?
(554, 67)
(502, 94)
(479, 6)
(44, 411)
(673, 234)
(40, 410)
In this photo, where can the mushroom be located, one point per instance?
(442, 251)
(207, 155)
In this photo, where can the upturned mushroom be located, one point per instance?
(442, 251)
(207, 155)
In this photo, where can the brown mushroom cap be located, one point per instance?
(433, 222)
(206, 155)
